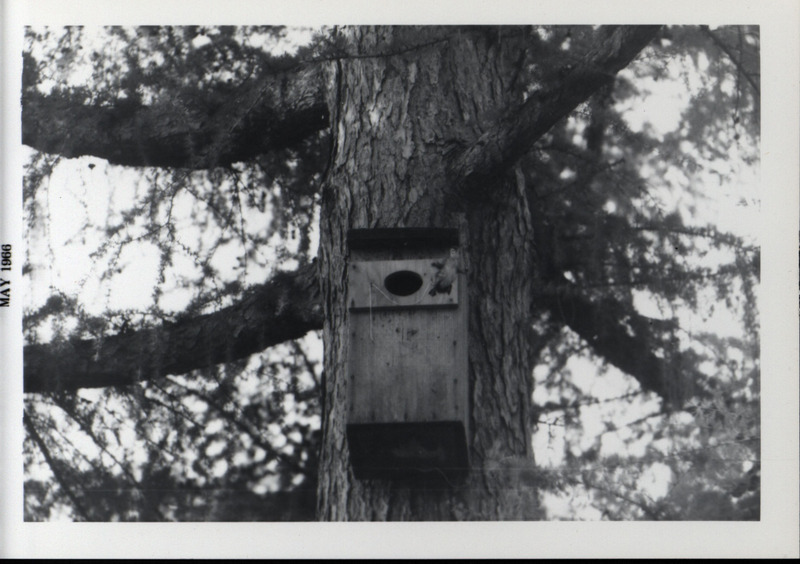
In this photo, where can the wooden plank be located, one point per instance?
(367, 285)
(408, 365)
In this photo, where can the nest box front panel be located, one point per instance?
(408, 360)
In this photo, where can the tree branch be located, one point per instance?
(627, 340)
(271, 113)
(500, 147)
(54, 466)
(285, 308)
(651, 512)
(243, 423)
(736, 62)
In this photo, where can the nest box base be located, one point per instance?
(413, 452)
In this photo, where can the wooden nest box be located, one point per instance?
(408, 402)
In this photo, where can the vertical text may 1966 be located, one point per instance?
(5, 266)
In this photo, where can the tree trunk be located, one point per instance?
(396, 119)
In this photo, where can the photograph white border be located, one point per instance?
(776, 535)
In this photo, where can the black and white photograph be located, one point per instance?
(394, 272)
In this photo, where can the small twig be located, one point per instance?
(53, 464)
(719, 43)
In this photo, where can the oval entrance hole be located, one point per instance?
(403, 282)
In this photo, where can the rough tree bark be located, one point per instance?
(394, 119)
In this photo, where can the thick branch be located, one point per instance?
(274, 112)
(500, 147)
(285, 308)
(628, 341)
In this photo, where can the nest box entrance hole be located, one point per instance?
(403, 282)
